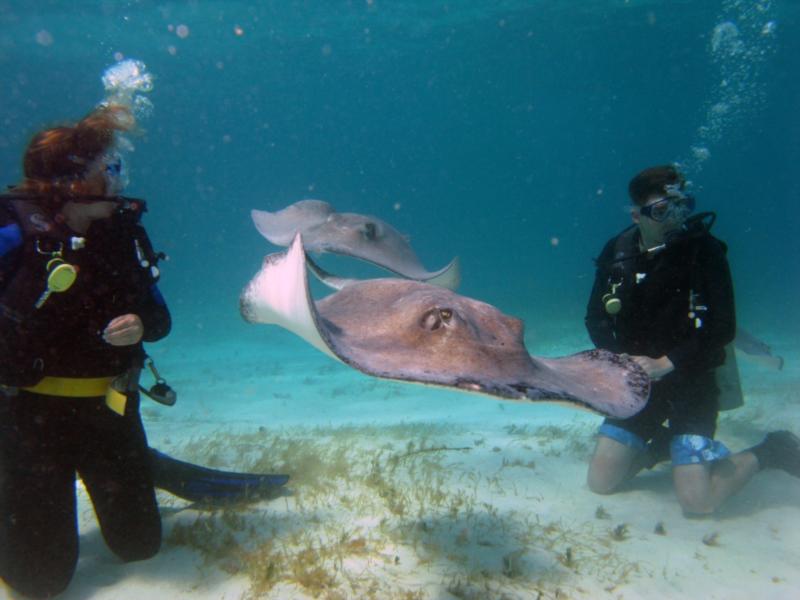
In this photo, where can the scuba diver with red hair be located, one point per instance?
(78, 296)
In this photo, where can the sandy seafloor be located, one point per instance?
(402, 491)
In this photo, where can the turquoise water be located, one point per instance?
(497, 128)
(503, 132)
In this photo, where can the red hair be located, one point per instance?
(56, 160)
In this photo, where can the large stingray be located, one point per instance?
(411, 331)
(359, 236)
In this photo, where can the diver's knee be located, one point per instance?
(142, 547)
(606, 476)
(30, 571)
(33, 588)
(696, 504)
(610, 466)
(694, 489)
(601, 483)
(141, 551)
(697, 510)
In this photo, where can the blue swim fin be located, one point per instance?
(211, 486)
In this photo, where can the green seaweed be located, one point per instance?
(369, 502)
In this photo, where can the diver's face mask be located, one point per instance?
(111, 167)
(674, 207)
(115, 173)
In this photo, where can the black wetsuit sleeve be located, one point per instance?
(155, 316)
(10, 248)
(12, 359)
(598, 322)
(705, 348)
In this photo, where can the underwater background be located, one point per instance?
(504, 132)
(501, 132)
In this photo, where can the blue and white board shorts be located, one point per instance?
(686, 449)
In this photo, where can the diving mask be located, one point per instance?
(673, 206)
(115, 173)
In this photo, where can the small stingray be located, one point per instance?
(414, 332)
(359, 236)
(757, 350)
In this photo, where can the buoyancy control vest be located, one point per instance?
(42, 266)
(622, 278)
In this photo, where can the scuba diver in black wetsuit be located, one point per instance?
(663, 295)
(78, 296)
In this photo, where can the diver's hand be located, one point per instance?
(656, 368)
(124, 330)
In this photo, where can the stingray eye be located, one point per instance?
(436, 318)
(370, 231)
(431, 320)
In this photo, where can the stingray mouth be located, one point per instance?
(518, 391)
(503, 390)
(470, 386)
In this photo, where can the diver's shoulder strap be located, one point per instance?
(625, 243)
(619, 250)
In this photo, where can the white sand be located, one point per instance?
(401, 491)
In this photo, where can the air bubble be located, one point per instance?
(44, 38)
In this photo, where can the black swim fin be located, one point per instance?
(211, 486)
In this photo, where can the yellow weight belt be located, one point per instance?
(71, 387)
(81, 387)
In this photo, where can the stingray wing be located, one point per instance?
(362, 237)
(279, 295)
(449, 277)
(281, 226)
